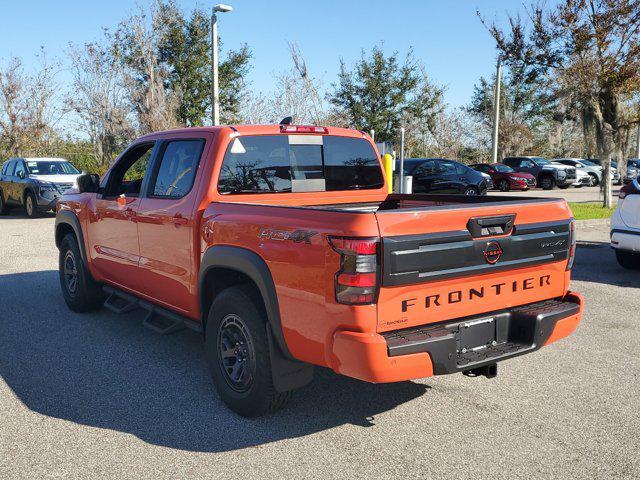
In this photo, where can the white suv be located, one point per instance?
(625, 226)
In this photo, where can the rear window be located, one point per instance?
(298, 163)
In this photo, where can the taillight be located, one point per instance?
(632, 188)
(356, 282)
(572, 244)
(303, 129)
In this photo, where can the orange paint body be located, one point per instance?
(153, 248)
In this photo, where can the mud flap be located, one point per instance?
(287, 374)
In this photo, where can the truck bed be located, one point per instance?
(397, 202)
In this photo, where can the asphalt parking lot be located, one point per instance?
(99, 396)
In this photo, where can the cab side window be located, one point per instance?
(177, 169)
(20, 168)
(427, 168)
(448, 168)
(127, 176)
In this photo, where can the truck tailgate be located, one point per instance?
(458, 260)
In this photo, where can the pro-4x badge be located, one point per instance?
(492, 253)
(298, 236)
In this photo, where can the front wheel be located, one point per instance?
(594, 180)
(470, 191)
(31, 205)
(237, 350)
(629, 260)
(81, 292)
(547, 183)
(503, 185)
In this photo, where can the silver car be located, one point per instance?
(592, 169)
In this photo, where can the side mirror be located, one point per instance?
(88, 183)
(21, 175)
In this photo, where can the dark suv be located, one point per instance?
(548, 174)
(35, 184)
(439, 175)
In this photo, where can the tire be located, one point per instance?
(628, 260)
(237, 315)
(503, 185)
(4, 208)
(470, 191)
(31, 205)
(564, 187)
(594, 180)
(547, 182)
(81, 292)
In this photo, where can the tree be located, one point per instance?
(381, 93)
(174, 54)
(593, 49)
(137, 44)
(98, 99)
(28, 107)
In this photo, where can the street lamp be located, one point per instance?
(215, 94)
(496, 111)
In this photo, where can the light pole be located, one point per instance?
(496, 110)
(215, 89)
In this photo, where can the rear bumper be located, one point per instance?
(627, 240)
(439, 349)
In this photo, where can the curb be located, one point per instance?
(595, 222)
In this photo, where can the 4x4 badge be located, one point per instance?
(493, 252)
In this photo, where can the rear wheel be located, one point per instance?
(503, 185)
(237, 351)
(4, 208)
(628, 260)
(81, 292)
(594, 180)
(547, 182)
(31, 205)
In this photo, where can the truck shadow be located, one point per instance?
(596, 263)
(107, 371)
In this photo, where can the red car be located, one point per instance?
(506, 178)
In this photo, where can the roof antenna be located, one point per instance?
(286, 121)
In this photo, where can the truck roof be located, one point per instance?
(273, 129)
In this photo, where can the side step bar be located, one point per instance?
(158, 319)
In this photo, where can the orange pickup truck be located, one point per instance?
(282, 245)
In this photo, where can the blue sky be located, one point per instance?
(446, 35)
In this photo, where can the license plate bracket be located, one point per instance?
(476, 334)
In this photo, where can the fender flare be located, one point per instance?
(67, 217)
(253, 266)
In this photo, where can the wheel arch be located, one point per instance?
(67, 222)
(225, 266)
